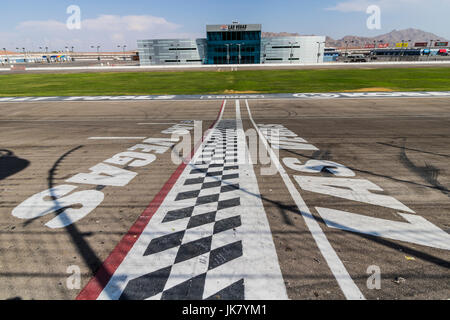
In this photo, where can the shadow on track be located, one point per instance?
(11, 164)
(88, 255)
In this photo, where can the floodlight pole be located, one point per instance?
(123, 49)
(6, 54)
(431, 44)
(346, 47)
(265, 51)
(292, 50)
(176, 51)
(318, 53)
(239, 46)
(98, 52)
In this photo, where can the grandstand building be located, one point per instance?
(232, 44)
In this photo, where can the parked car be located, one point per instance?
(356, 58)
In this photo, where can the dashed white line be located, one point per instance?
(153, 123)
(116, 138)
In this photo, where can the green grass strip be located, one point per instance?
(211, 82)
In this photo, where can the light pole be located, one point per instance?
(98, 52)
(375, 43)
(403, 46)
(123, 50)
(239, 46)
(228, 53)
(176, 51)
(46, 54)
(346, 47)
(265, 51)
(402, 52)
(6, 55)
(431, 45)
(318, 53)
(292, 50)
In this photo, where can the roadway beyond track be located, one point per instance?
(281, 199)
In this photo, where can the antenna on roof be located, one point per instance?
(235, 22)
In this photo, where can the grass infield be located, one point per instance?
(211, 82)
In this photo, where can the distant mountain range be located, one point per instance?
(395, 36)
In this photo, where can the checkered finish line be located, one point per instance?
(209, 239)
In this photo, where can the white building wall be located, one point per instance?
(294, 50)
(312, 49)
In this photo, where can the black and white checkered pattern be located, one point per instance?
(210, 198)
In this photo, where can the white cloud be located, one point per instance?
(350, 6)
(41, 25)
(105, 30)
(128, 23)
(361, 5)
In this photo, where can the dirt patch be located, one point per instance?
(238, 92)
(370, 90)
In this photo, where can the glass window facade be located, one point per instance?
(225, 45)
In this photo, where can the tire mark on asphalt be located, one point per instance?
(417, 150)
(428, 172)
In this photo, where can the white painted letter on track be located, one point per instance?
(318, 166)
(52, 200)
(105, 175)
(126, 158)
(149, 148)
(416, 230)
(351, 189)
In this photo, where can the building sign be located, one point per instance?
(237, 27)
(421, 44)
(233, 27)
(441, 44)
(402, 45)
(373, 46)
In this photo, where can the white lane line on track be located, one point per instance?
(264, 277)
(103, 119)
(116, 138)
(346, 283)
(152, 123)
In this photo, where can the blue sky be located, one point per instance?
(31, 23)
